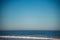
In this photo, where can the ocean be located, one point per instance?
(38, 33)
(14, 39)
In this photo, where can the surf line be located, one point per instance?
(24, 37)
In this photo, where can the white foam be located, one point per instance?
(27, 37)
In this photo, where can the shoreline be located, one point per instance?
(30, 37)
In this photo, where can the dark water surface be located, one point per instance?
(14, 39)
(32, 32)
(44, 33)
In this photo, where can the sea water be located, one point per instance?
(39, 33)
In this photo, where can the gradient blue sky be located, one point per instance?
(30, 14)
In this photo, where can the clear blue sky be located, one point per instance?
(30, 14)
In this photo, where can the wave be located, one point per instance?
(30, 37)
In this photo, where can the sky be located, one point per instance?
(29, 15)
